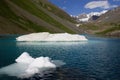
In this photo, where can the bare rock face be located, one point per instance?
(112, 16)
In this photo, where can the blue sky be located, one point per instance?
(75, 7)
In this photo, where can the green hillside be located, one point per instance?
(26, 16)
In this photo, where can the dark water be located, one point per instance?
(96, 59)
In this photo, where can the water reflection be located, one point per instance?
(49, 43)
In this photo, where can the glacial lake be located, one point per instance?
(95, 59)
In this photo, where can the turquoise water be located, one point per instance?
(96, 59)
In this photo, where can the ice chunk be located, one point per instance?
(39, 64)
(26, 66)
(45, 36)
(24, 58)
(15, 69)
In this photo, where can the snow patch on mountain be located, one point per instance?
(85, 17)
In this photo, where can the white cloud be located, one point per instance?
(99, 4)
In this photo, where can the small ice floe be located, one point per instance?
(26, 66)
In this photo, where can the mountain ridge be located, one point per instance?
(107, 24)
(88, 17)
(26, 16)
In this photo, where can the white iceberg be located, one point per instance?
(26, 66)
(45, 36)
(24, 58)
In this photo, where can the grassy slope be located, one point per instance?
(101, 29)
(25, 24)
(21, 22)
(54, 9)
(114, 27)
(29, 6)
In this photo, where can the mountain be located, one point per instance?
(110, 22)
(107, 24)
(112, 16)
(90, 16)
(26, 16)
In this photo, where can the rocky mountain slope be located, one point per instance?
(26, 16)
(90, 16)
(107, 24)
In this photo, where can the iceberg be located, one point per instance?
(27, 66)
(45, 36)
(24, 58)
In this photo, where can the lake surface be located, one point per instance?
(95, 59)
